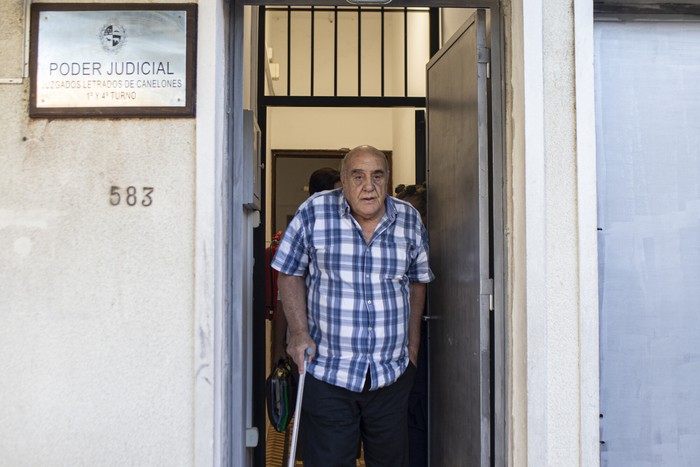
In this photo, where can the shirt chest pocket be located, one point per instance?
(396, 259)
(326, 260)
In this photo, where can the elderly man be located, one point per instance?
(353, 266)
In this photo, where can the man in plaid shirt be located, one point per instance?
(353, 266)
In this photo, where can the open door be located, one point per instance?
(458, 222)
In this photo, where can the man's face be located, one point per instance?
(364, 180)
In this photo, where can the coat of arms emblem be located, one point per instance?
(113, 37)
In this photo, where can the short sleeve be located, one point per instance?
(292, 256)
(419, 270)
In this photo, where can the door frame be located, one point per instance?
(232, 362)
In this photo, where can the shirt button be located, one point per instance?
(367, 276)
(369, 302)
(370, 329)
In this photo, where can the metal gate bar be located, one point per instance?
(313, 49)
(337, 12)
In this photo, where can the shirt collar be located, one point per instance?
(344, 207)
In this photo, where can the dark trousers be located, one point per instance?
(418, 408)
(334, 419)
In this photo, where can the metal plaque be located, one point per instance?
(112, 60)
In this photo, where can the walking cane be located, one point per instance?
(297, 410)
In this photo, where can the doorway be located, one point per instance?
(496, 439)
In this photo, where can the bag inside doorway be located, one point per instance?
(281, 391)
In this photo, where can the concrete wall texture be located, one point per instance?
(551, 234)
(96, 313)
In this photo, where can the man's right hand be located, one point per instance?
(296, 347)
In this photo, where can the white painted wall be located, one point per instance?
(210, 443)
(97, 338)
(96, 316)
(552, 226)
(12, 39)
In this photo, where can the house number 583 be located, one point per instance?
(131, 196)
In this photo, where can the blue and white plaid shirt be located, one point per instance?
(357, 293)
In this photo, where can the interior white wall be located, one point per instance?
(404, 146)
(451, 20)
(419, 52)
(308, 128)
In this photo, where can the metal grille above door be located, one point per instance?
(346, 52)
